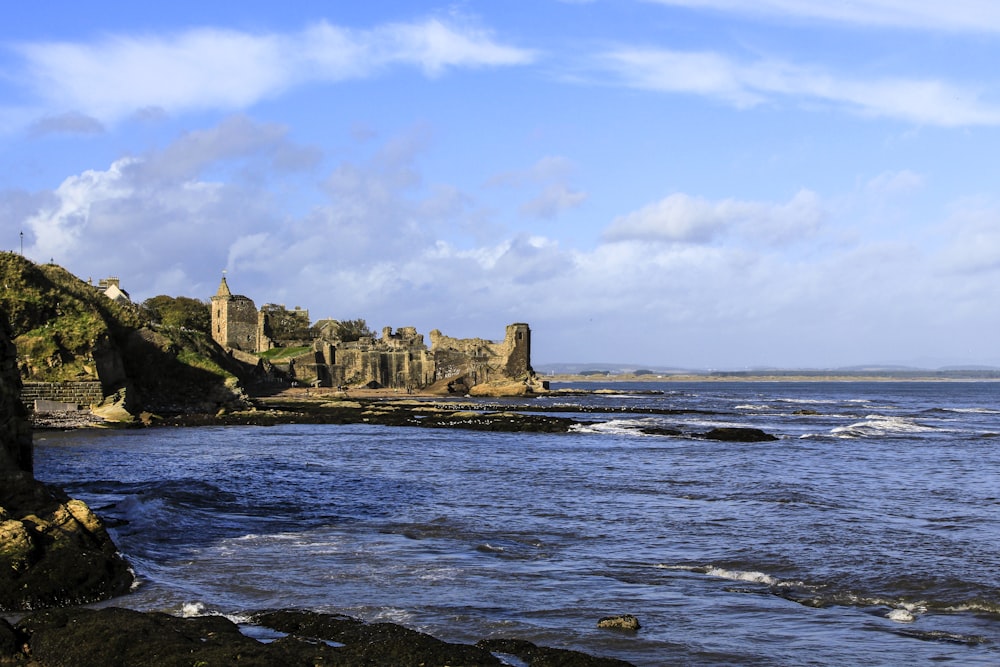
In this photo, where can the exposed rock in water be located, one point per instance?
(375, 643)
(92, 638)
(738, 434)
(53, 549)
(541, 656)
(626, 622)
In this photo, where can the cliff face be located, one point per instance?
(53, 550)
(15, 434)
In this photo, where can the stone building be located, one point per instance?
(235, 320)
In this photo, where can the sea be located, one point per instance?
(868, 533)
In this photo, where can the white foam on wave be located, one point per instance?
(192, 609)
(749, 576)
(901, 616)
(803, 401)
(613, 427)
(974, 411)
(136, 507)
(976, 607)
(876, 425)
(740, 575)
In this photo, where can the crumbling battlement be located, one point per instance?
(483, 360)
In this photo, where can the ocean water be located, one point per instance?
(867, 534)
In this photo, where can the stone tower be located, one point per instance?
(517, 345)
(234, 319)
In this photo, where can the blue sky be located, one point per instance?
(686, 183)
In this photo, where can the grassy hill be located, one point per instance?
(58, 320)
(65, 330)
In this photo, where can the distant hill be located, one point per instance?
(67, 330)
(613, 370)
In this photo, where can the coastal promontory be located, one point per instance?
(53, 549)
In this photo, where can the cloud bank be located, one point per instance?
(384, 245)
(216, 68)
(929, 15)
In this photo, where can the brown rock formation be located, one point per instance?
(53, 550)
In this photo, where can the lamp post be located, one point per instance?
(22, 244)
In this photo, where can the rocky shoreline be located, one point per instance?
(388, 408)
(115, 636)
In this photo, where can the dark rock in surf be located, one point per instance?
(541, 656)
(738, 434)
(624, 622)
(374, 643)
(96, 638)
(111, 636)
(53, 549)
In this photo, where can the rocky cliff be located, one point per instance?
(53, 550)
(15, 434)
(68, 331)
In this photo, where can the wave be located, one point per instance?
(818, 595)
(615, 427)
(875, 426)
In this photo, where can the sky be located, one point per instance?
(703, 184)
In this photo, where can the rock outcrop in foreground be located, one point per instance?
(53, 550)
(112, 636)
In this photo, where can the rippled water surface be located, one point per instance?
(867, 534)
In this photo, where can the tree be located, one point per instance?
(286, 327)
(345, 331)
(182, 312)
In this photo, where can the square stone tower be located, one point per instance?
(234, 320)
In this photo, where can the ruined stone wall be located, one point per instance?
(482, 360)
(15, 431)
(82, 394)
(399, 369)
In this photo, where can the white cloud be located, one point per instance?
(552, 201)
(210, 68)
(67, 123)
(970, 242)
(957, 15)
(552, 174)
(685, 280)
(920, 101)
(894, 183)
(680, 218)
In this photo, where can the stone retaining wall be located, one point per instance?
(77, 393)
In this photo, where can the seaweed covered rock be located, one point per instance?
(375, 643)
(542, 656)
(112, 636)
(738, 434)
(53, 549)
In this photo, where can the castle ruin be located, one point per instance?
(398, 359)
